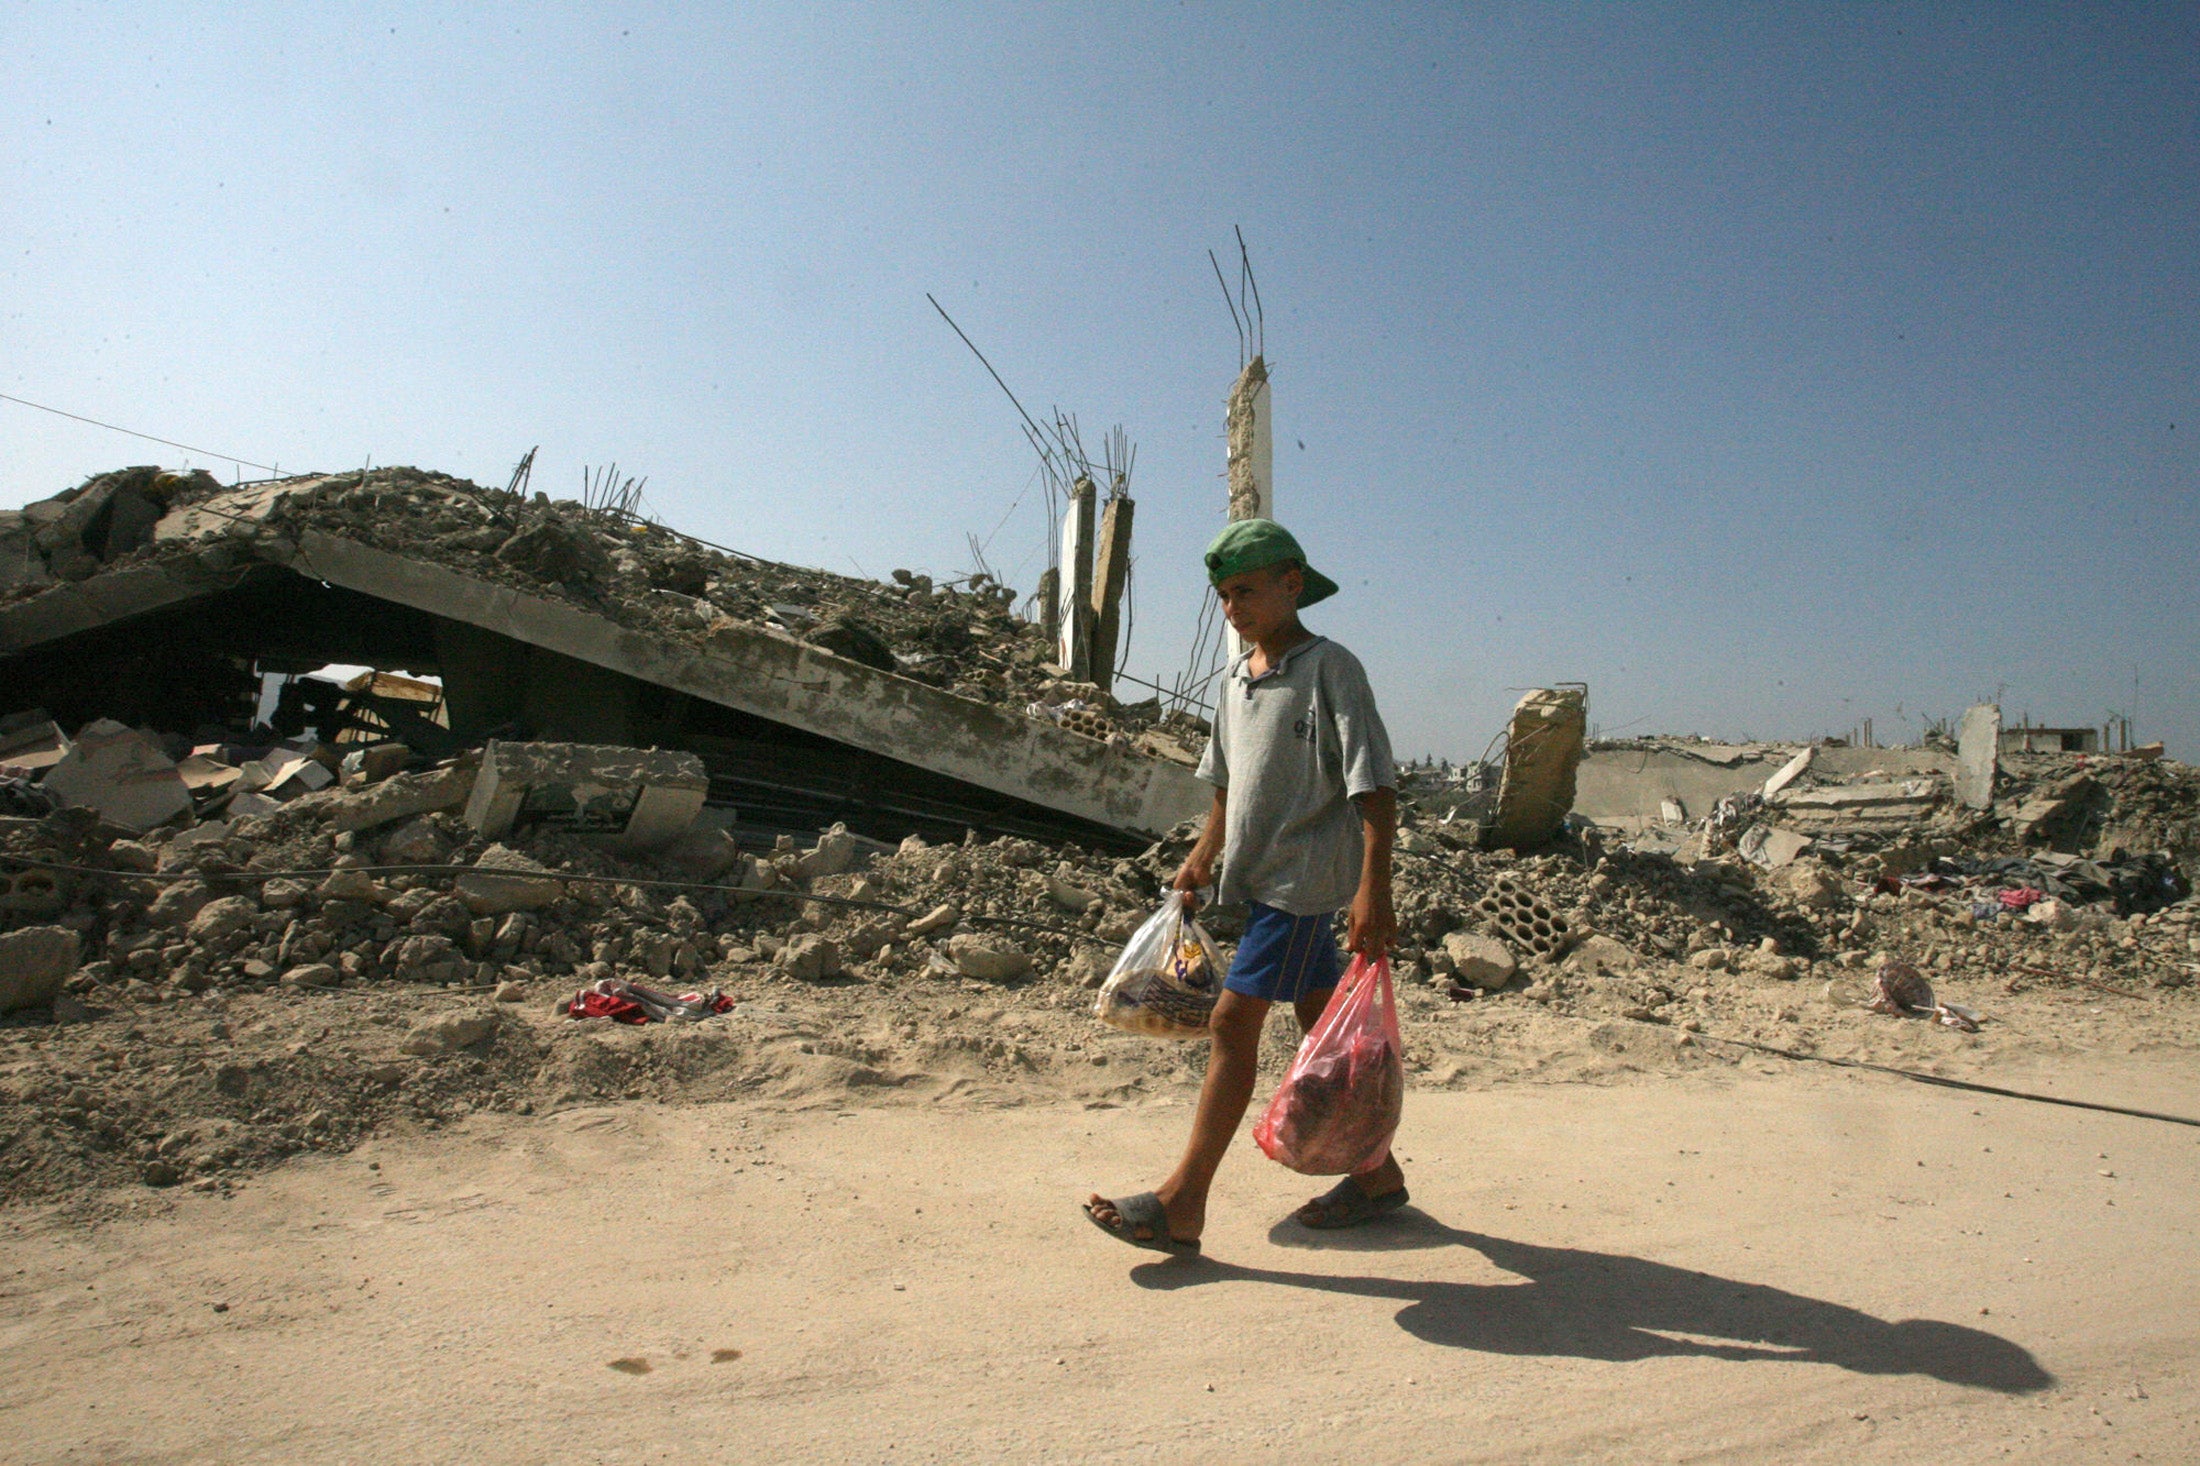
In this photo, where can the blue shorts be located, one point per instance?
(1283, 957)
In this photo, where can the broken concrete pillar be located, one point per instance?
(1250, 467)
(1074, 650)
(1251, 446)
(123, 774)
(646, 797)
(1050, 606)
(1111, 572)
(1542, 752)
(1978, 755)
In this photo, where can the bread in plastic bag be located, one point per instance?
(1338, 1107)
(1166, 982)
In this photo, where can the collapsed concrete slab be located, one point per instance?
(585, 638)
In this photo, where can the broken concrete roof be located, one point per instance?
(936, 677)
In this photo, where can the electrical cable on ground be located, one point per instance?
(1946, 1083)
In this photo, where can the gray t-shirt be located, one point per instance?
(1293, 747)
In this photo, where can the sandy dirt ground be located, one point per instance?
(1774, 1264)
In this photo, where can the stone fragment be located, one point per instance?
(1479, 961)
(416, 842)
(938, 919)
(282, 894)
(352, 885)
(988, 958)
(511, 991)
(402, 796)
(835, 853)
(1813, 888)
(1600, 956)
(504, 880)
(865, 941)
(446, 1032)
(1088, 967)
(1068, 895)
(34, 962)
(311, 975)
(1710, 959)
(218, 921)
(133, 855)
(1769, 965)
(808, 957)
(700, 855)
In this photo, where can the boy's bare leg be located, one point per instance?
(1231, 1066)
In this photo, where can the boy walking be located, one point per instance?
(1305, 807)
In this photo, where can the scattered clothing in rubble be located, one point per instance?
(630, 1002)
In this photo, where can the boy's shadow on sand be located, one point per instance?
(1598, 1305)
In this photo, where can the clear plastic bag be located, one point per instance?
(1166, 982)
(1338, 1107)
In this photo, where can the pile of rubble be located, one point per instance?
(205, 997)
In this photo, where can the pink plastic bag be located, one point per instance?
(1338, 1107)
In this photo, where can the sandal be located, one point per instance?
(1346, 1205)
(1143, 1210)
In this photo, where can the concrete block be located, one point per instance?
(504, 880)
(123, 774)
(34, 962)
(647, 796)
(402, 796)
(1479, 961)
(990, 958)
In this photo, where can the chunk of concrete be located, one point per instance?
(504, 880)
(447, 1032)
(218, 921)
(34, 962)
(808, 957)
(1790, 771)
(1479, 961)
(1543, 749)
(1978, 755)
(123, 774)
(648, 797)
(988, 958)
(401, 796)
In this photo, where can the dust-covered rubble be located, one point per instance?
(243, 990)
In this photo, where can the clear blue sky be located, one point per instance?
(1765, 367)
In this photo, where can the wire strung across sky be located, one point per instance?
(134, 433)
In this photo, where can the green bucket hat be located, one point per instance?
(1251, 544)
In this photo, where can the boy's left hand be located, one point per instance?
(1373, 925)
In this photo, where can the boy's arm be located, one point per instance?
(1198, 869)
(1374, 924)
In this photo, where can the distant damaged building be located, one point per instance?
(159, 600)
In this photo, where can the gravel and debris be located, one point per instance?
(288, 982)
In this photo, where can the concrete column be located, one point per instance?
(1111, 571)
(1075, 646)
(1251, 464)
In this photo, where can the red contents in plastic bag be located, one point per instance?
(1338, 1107)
